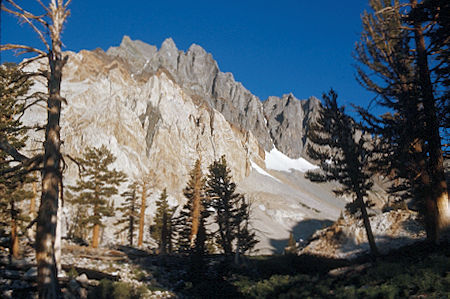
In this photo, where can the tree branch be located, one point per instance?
(25, 49)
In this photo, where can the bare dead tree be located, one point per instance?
(48, 26)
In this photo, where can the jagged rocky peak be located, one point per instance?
(288, 120)
(198, 74)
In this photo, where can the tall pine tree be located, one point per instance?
(129, 220)
(343, 157)
(14, 86)
(191, 223)
(96, 185)
(162, 228)
(231, 210)
(398, 61)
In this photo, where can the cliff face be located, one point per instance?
(198, 74)
(160, 110)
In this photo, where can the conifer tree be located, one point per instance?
(343, 158)
(144, 185)
(129, 220)
(48, 25)
(192, 219)
(96, 185)
(14, 86)
(162, 228)
(397, 47)
(231, 210)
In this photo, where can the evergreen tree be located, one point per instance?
(191, 222)
(394, 53)
(48, 24)
(130, 214)
(144, 184)
(343, 158)
(231, 210)
(97, 183)
(162, 229)
(14, 86)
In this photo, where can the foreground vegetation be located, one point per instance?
(418, 270)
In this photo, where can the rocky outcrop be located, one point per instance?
(198, 74)
(288, 121)
(347, 237)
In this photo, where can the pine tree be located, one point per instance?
(14, 86)
(130, 214)
(144, 185)
(343, 158)
(395, 55)
(231, 210)
(96, 185)
(162, 229)
(48, 24)
(190, 224)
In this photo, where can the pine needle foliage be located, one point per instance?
(162, 228)
(191, 223)
(344, 155)
(14, 86)
(232, 212)
(129, 220)
(403, 58)
(95, 187)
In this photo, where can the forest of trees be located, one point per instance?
(402, 57)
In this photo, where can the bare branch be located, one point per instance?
(12, 151)
(26, 19)
(43, 6)
(29, 15)
(25, 49)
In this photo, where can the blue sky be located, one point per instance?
(272, 47)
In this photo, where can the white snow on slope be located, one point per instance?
(262, 171)
(276, 160)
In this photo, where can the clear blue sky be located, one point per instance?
(272, 47)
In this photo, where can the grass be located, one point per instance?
(413, 273)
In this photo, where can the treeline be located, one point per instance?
(212, 202)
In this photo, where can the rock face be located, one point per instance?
(347, 237)
(288, 121)
(198, 73)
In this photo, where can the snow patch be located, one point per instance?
(262, 171)
(262, 207)
(276, 160)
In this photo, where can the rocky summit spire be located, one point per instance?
(198, 74)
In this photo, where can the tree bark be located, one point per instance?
(437, 208)
(366, 221)
(142, 214)
(95, 235)
(51, 177)
(196, 210)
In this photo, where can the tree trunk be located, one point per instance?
(142, 214)
(196, 209)
(33, 201)
(95, 235)
(51, 178)
(14, 237)
(437, 210)
(58, 239)
(365, 217)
